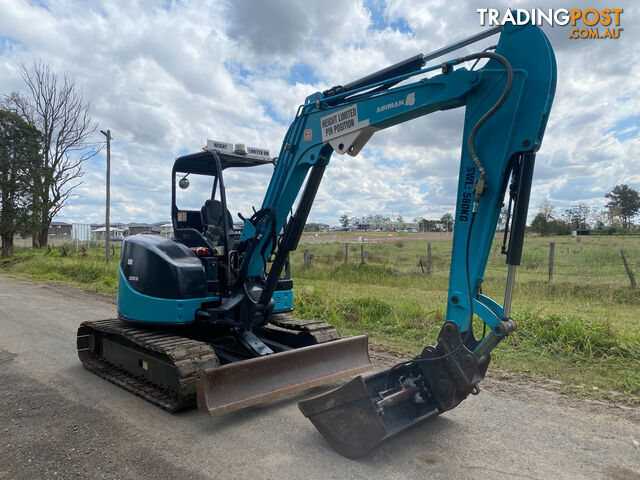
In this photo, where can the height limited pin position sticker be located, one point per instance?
(341, 123)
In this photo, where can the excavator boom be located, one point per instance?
(208, 306)
(507, 103)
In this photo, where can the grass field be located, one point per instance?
(582, 329)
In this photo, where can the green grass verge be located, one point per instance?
(582, 329)
(90, 271)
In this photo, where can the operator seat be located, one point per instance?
(211, 213)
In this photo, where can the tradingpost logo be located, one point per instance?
(586, 23)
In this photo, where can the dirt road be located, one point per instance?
(59, 421)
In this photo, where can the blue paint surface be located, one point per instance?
(283, 300)
(517, 126)
(135, 306)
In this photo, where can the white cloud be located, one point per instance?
(165, 77)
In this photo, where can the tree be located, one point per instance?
(19, 151)
(56, 108)
(559, 227)
(552, 227)
(613, 216)
(544, 222)
(447, 222)
(540, 224)
(426, 225)
(578, 216)
(344, 221)
(600, 218)
(627, 200)
(546, 209)
(380, 219)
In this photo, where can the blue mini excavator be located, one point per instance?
(206, 311)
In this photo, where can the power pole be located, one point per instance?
(107, 230)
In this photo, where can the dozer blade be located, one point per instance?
(257, 380)
(358, 416)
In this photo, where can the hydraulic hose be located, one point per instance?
(478, 189)
(480, 185)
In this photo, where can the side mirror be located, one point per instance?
(183, 183)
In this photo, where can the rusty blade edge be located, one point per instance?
(277, 394)
(205, 383)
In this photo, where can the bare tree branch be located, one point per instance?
(56, 107)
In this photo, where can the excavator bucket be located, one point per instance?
(243, 384)
(349, 419)
(358, 416)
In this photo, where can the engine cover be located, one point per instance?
(159, 267)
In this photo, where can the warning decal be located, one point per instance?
(341, 123)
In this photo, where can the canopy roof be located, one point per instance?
(203, 163)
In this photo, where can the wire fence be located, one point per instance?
(585, 260)
(76, 236)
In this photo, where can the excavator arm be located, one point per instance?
(507, 103)
(503, 142)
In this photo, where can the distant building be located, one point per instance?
(112, 225)
(115, 233)
(166, 230)
(60, 230)
(136, 228)
(316, 227)
(385, 227)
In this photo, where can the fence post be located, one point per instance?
(429, 258)
(308, 258)
(552, 247)
(346, 252)
(628, 269)
(361, 253)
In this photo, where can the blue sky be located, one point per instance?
(166, 77)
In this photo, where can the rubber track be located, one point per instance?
(187, 355)
(321, 331)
